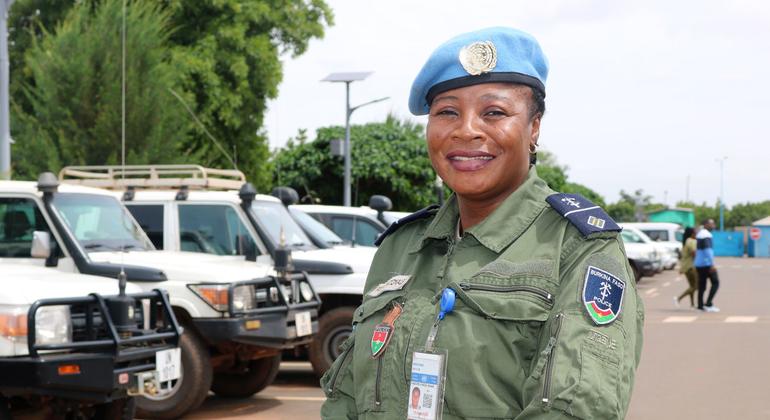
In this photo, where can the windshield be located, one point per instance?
(656, 235)
(100, 222)
(631, 237)
(272, 217)
(315, 227)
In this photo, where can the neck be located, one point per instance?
(473, 212)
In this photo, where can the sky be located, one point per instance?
(653, 95)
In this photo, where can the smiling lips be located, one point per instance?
(469, 160)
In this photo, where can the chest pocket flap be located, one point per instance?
(373, 305)
(509, 291)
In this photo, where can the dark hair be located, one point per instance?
(688, 231)
(537, 105)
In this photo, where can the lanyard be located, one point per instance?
(446, 306)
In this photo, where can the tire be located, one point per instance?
(190, 390)
(5, 409)
(637, 274)
(257, 376)
(334, 327)
(123, 409)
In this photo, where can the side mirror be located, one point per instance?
(247, 248)
(380, 203)
(41, 244)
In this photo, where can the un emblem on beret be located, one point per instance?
(479, 57)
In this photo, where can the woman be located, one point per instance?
(686, 267)
(509, 301)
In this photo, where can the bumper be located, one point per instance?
(98, 379)
(276, 330)
(647, 267)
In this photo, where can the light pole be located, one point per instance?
(722, 192)
(5, 127)
(349, 78)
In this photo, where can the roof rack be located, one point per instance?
(116, 177)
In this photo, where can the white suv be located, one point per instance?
(77, 340)
(211, 211)
(237, 317)
(669, 250)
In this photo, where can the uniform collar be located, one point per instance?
(504, 225)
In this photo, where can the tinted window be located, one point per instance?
(365, 232)
(19, 217)
(656, 235)
(150, 218)
(213, 229)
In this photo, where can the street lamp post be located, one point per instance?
(722, 192)
(349, 78)
(5, 128)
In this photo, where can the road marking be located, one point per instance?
(679, 319)
(651, 291)
(666, 284)
(741, 319)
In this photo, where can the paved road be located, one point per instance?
(694, 365)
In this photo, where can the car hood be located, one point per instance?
(358, 258)
(23, 284)
(189, 266)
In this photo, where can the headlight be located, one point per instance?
(306, 291)
(244, 298)
(214, 294)
(13, 322)
(53, 325)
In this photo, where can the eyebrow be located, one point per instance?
(445, 98)
(493, 96)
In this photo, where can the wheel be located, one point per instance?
(5, 409)
(187, 392)
(334, 327)
(257, 375)
(122, 409)
(637, 274)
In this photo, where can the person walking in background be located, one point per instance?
(687, 267)
(704, 265)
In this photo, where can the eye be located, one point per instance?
(495, 112)
(445, 112)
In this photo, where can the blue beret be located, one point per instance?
(492, 55)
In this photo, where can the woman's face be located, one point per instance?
(479, 138)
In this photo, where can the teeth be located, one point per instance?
(462, 158)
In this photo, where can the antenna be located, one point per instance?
(203, 127)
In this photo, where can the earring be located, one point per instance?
(533, 153)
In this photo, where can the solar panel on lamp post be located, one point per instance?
(348, 78)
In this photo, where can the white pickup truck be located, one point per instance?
(214, 211)
(238, 317)
(73, 344)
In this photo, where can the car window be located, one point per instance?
(656, 234)
(100, 222)
(150, 218)
(19, 218)
(679, 234)
(631, 237)
(213, 229)
(365, 232)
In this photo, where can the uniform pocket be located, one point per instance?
(332, 378)
(495, 328)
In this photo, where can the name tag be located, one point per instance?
(394, 283)
(426, 388)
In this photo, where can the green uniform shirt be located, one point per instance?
(520, 341)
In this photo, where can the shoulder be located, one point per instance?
(703, 234)
(423, 214)
(587, 217)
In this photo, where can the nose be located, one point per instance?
(468, 128)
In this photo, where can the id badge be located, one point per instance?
(426, 388)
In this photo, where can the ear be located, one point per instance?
(535, 129)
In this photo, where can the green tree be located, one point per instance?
(227, 56)
(387, 158)
(555, 175)
(75, 91)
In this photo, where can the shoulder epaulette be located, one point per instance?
(418, 215)
(586, 216)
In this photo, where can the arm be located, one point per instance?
(585, 370)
